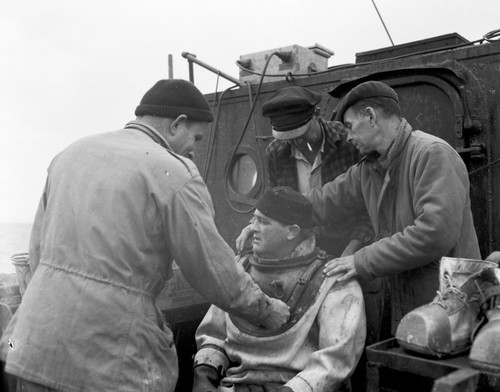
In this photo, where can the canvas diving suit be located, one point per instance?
(316, 350)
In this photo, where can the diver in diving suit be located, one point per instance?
(319, 347)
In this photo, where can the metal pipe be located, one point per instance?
(192, 59)
(170, 67)
(191, 71)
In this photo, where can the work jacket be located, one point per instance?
(316, 351)
(419, 205)
(116, 210)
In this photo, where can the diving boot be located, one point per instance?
(485, 351)
(444, 327)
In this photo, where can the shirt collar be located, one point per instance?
(296, 153)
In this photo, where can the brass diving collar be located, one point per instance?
(290, 262)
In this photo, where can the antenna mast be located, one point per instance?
(380, 16)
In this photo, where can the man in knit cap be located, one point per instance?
(320, 345)
(116, 210)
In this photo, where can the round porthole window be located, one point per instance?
(243, 174)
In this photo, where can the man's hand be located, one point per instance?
(342, 264)
(205, 379)
(279, 314)
(246, 233)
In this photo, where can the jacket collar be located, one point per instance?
(157, 138)
(402, 135)
(150, 131)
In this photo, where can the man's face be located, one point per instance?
(311, 136)
(359, 131)
(187, 134)
(269, 236)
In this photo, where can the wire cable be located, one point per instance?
(213, 133)
(383, 24)
(226, 174)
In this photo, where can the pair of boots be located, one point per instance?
(465, 315)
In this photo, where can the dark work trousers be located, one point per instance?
(376, 329)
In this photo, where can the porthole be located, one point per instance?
(243, 181)
(243, 174)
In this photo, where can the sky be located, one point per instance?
(72, 68)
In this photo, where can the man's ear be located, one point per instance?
(293, 232)
(372, 114)
(178, 122)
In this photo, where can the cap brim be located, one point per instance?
(292, 134)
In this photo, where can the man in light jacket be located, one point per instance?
(116, 210)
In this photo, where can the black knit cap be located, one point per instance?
(172, 97)
(371, 89)
(291, 107)
(287, 206)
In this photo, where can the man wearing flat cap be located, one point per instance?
(415, 188)
(319, 347)
(308, 152)
(117, 209)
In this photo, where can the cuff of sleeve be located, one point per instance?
(265, 306)
(299, 384)
(361, 266)
(212, 356)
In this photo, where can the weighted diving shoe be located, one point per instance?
(444, 327)
(485, 351)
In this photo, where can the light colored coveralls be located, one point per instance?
(117, 208)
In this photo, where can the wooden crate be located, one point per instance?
(390, 368)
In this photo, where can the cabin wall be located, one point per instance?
(453, 94)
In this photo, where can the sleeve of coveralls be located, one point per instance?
(206, 260)
(210, 337)
(439, 186)
(342, 331)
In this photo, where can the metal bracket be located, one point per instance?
(476, 151)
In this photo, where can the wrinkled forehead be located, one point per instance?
(260, 215)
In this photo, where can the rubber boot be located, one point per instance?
(485, 351)
(444, 327)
